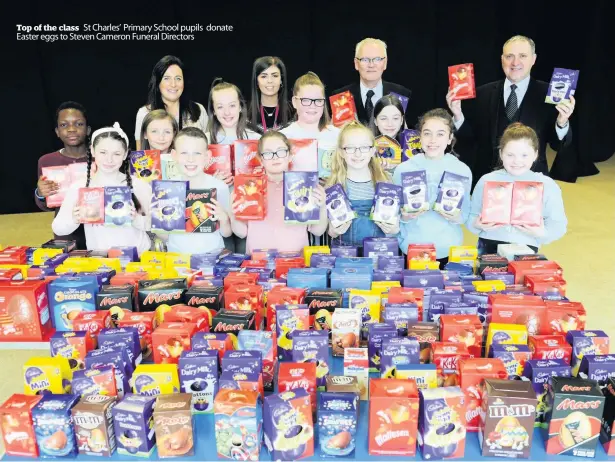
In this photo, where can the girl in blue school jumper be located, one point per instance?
(429, 226)
(356, 167)
(518, 152)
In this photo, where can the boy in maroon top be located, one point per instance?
(73, 130)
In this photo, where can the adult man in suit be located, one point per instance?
(517, 98)
(371, 61)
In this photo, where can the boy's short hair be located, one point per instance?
(71, 105)
(192, 132)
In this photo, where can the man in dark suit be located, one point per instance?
(517, 98)
(371, 61)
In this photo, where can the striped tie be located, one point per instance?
(511, 104)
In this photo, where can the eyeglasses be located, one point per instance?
(352, 149)
(308, 102)
(280, 154)
(370, 60)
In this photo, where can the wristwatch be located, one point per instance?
(38, 196)
(559, 126)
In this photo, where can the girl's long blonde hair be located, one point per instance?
(339, 171)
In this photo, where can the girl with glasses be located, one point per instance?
(356, 167)
(274, 153)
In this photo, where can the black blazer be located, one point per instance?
(479, 135)
(387, 87)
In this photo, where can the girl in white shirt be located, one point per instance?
(109, 151)
(166, 91)
(158, 131)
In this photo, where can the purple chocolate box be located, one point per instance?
(468, 308)
(308, 278)
(344, 250)
(435, 406)
(387, 275)
(388, 245)
(168, 207)
(322, 260)
(410, 144)
(539, 371)
(249, 361)
(423, 278)
(339, 209)
(402, 99)
(387, 202)
(400, 315)
(451, 192)
(482, 299)
(60, 345)
(394, 351)
(118, 200)
(391, 263)
(562, 86)
(133, 423)
(286, 325)
(123, 337)
(507, 278)
(439, 300)
(300, 207)
(356, 278)
(230, 380)
(52, 416)
(415, 197)
(506, 352)
(598, 367)
(313, 346)
(376, 333)
(198, 375)
(84, 383)
(117, 357)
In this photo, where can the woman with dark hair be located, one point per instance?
(388, 117)
(166, 91)
(269, 106)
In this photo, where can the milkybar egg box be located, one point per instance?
(174, 425)
(393, 417)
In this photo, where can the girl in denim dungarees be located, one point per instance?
(357, 169)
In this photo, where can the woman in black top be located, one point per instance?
(269, 106)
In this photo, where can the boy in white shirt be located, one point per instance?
(192, 155)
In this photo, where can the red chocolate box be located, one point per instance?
(170, 340)
(343, 108)
(209, 299)
(24, 311)
(17, 426)
(518, 309)
(298, 375)
(446, 357)
(524, 268)
(183, 313)
(550, 347)
(281, 296)
(92, 322)
(563, 316)
(247, 161)
(407, 295)
(466, 329)
(527, 203)
(251, 194)
(233, 279)
(246, 298)
(497, 201)
(542, 283)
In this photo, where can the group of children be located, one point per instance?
(354, 164)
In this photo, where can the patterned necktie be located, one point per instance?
(511, 104)
(369, 106)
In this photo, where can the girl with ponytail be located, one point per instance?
(109, 152)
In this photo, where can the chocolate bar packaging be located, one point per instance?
(118, 200)
(338, 415)
(91, 203)
(526, 208)
(550, 347)
(446, 357)
(92, 417)
(174, 425)
(156, 293)
(415, 195)
(53, 426)
(586, 342)
(133, 421)
(497, 202)
(221, 159)
(387, 203)
(313, 346)
(238, 424)
(233, 321)
(251, 194)
(198, 375)
(492, 263)
(288, 426)
(597, 367)
(396, 351)
(168, 208)
(198, 219)
(442, 423)
(146, 164)
(300, 206)
(507, 419)
(461, 81)
(562, 86)
(343, 108)
(305, 155)
(247, 161)
(116, 298)
(339, 209)
(451, 193)
(574, 417)
(389, 149)
(410, 143)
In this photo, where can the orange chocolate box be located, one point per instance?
(533, 267)
(466, 329)
(184, 313)
(248, 297)
(17, 426)
(472, 372)
(550, 347)
(234, 279)
(393, 417)
(170, 340)
(446, 357)
(529, 310)
(24, 311)
(407, 295)
(543, 283)
(563, 316)
(281, 296)
(282, 265)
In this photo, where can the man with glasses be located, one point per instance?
(371, 61)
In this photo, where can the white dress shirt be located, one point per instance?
(378, 92)
(521, 90)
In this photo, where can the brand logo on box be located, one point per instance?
(573, 405)
(88, 420)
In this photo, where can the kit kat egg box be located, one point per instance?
(292, 376)
(53, 426)
(159, 292)
(174, 425)
(133, 422)
(17, 426)
(446, 357)
(93, 421)
(586, 342)
(338, 415)
(238, 424)
(312, 346)
(574, 416)
(507, 419)
(68, 296)
(118, 200)
(288, 425)
(339, 208)
(168, 207)
(395, 351)
(123, 338)
(233, 321)
(322, 303)
(401, 315)
(514, 358)
(265, 343)
(96, 381)
(442, 423)
(73, 346)
(387, 203)
(198, 375)
(550, 347)
(415, 194)
(597, 367)
(376, 333)
(345, 330)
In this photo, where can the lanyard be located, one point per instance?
(275, 120)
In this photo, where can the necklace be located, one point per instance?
(272, 112)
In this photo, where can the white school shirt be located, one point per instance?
(201, 123)
(223, 138)
(327, 137)
(100, 237)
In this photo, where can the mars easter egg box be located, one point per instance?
(337, 423)
(562, 86)
(146, 164)
(168, 208)
(299, 202)
(53, 426)
(118, 200)
(198, 218)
